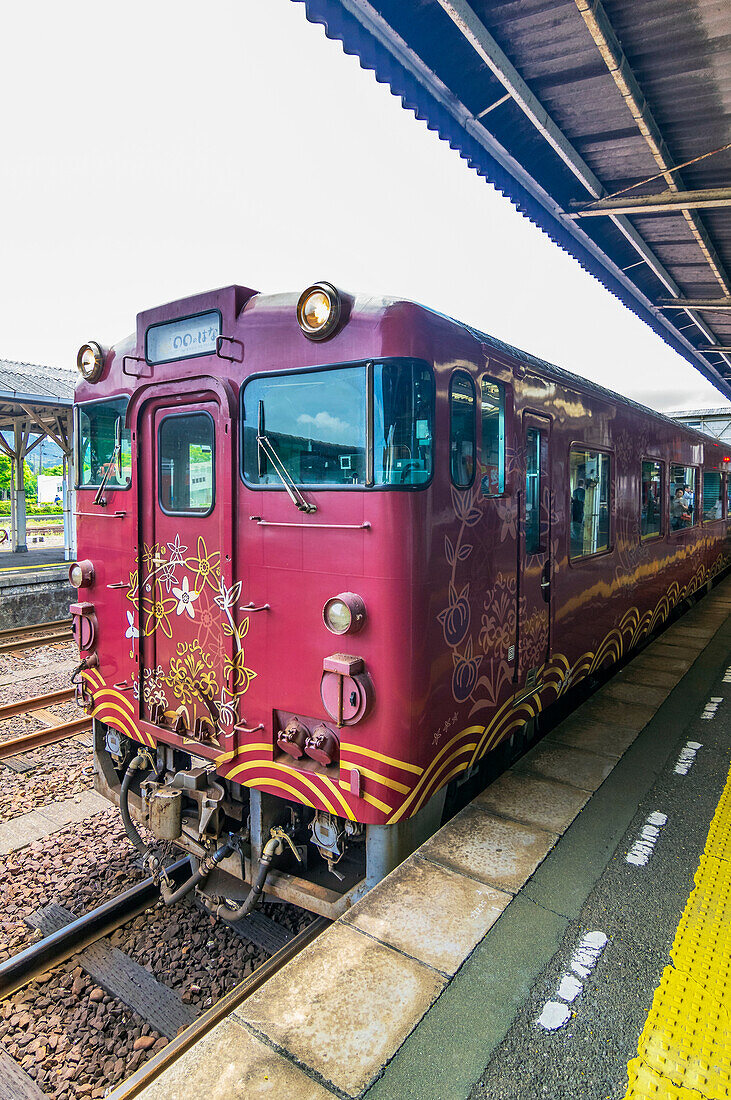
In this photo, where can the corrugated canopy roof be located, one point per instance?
(602, 120)
(38, 400)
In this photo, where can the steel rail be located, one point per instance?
(36, 702)
(159, 1062)
(36, 642)
(16, 631)
(49, 735)
(52, 950)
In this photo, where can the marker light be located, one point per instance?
(344, 613)
(318, 311)
(81, 574)
(90, 361)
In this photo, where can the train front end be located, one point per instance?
(254, 484)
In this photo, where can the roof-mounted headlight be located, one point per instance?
(318, 311)
(90, 361)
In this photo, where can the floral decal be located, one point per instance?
(207, 670)
(456, 617)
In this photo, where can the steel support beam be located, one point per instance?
(703, 305)
(667, 202)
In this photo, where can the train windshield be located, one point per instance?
(347, 427)
(97, 428)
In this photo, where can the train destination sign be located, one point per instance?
(183, 338)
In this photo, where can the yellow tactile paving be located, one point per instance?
(684, 1051)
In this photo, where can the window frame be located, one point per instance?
(696, 522)
(664, 509)
(577, 444)
(177, 416)
(502, 472)
(319, 368)
(77, 446)
(722, 493)
(471, 482)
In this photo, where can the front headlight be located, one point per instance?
(344, 613)
(318, 311)
(81, 574)
(90, 361)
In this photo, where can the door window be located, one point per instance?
(683, 505)
(186, 466)
(533, 492)
(651, 506)
(461, 429)
(492, 400)
(712, 497)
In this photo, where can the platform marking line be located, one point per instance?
(643, 847)
(711, 707)
(585, 957)
(684, 1051)
(727, 676)
(686, 760)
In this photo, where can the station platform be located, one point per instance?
(34, 586)
(568, 934)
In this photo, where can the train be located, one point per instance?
(335, 551)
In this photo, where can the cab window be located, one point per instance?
(98, 426)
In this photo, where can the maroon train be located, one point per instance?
(336, 550)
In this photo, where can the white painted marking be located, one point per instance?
(686, 760)
(554, 1015)
(642, 848)
(727, 676)
(569, 988)
(585, 956)
(712, 706)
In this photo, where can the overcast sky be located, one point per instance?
(156, 150)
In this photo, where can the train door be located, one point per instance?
(187, 599)
(534, 553)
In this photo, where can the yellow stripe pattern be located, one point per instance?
(684, 1051)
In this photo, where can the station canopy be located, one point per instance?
(606, 122)
(37, 401)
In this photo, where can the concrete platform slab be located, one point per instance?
(22, 831)
(614, 712)
(27, 828)
(502, 853)
(644, 694)
(670, 660)
(593, 736)
(651, 677)
(232, 1064)
(346, 1015)
(533, 801)
(586, 770)
(429, 912)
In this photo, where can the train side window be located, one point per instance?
(186, 467)
(492, 405)
(589, 485)
(682, 492)
(712, 496)
(728, 495)
(651, 501)
(462, 429)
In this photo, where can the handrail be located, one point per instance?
(339, 526)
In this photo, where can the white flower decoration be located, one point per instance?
(185, 599)
(132, 631)
(177, 552)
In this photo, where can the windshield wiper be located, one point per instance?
(266, 447)
(114, 463)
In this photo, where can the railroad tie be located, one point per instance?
(15, 1083)
(121, 976)
(259, 929)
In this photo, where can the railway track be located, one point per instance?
(50, 734)
(17, 638)
(81, 937)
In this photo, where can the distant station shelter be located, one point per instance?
(36, 403)
(715, 422)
